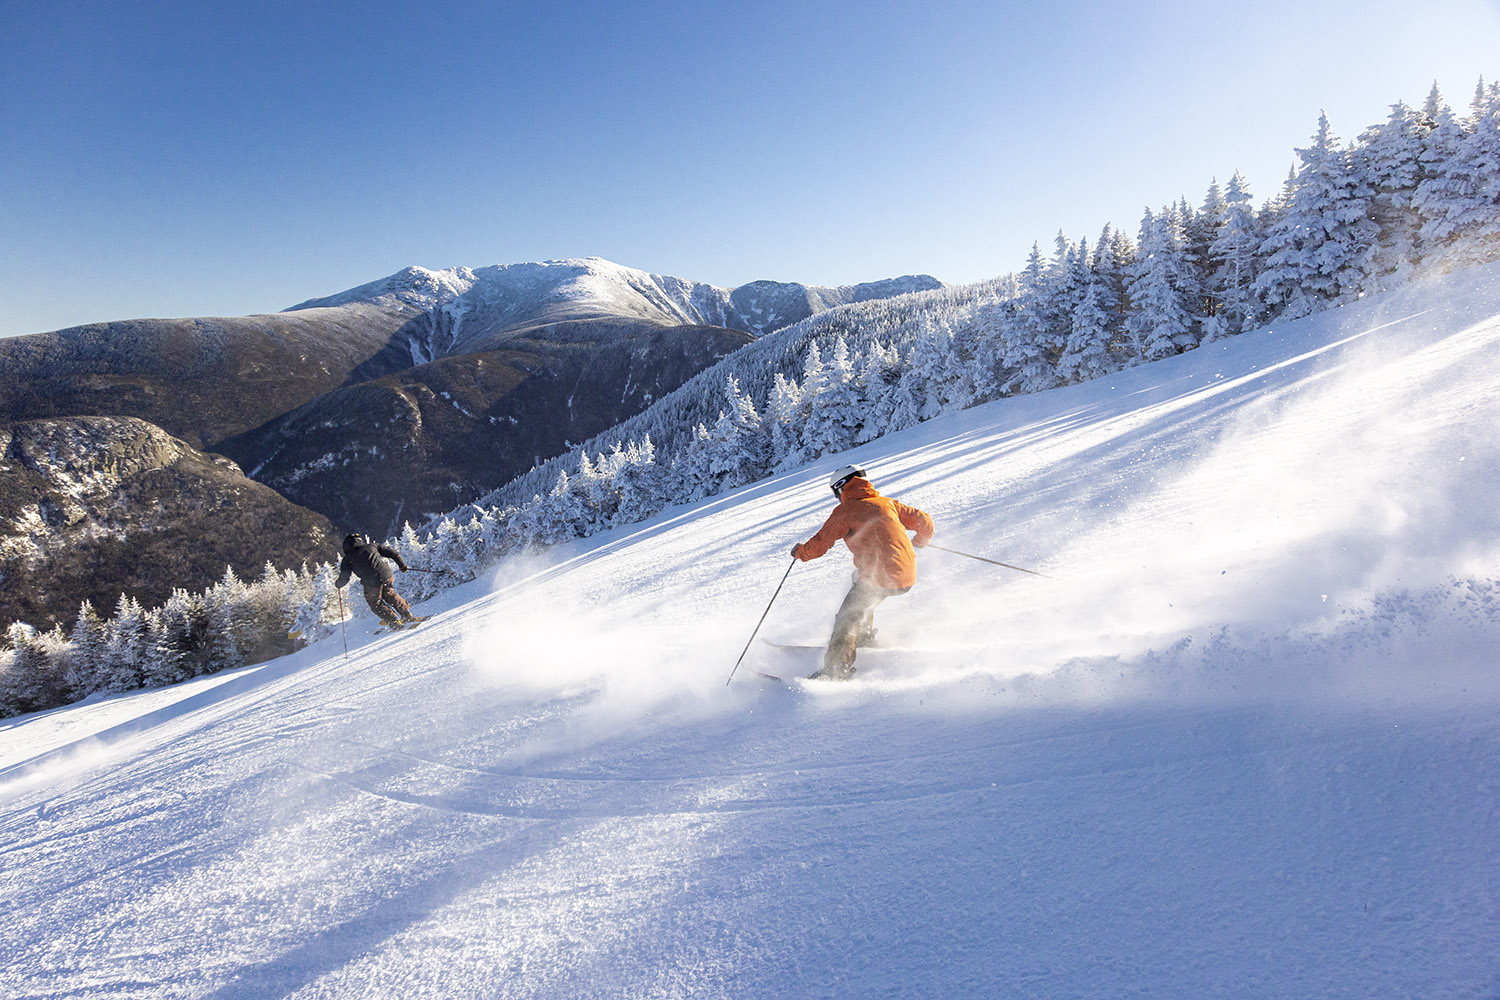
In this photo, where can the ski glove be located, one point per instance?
(796, 547)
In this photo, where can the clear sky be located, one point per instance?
(191, 159)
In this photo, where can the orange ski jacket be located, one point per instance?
(874, 527)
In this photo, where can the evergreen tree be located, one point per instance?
(85, 670)
(228, 629)
(1201, 233)
(1087, 353)
(125, 647)
(560, 512)
(1162, 294)
(741, 445)
(907, 395)
(319, 612)
(874, 392)
(641, 483)
(692, 472)
(31, 672)
(178, 638)
(1459, 195)
(1315, 252)
(783, 418)
(1233, 251)
(1027, 332)
(833, 417)
(1389, 158)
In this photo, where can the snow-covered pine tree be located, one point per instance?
(1233, 252)
(1027, 331)
(833, 414)
(782, 409)
(1314, 253)
(1087, 353)
(317, 615)
(270, 613)
(1162, 295)
(32, 670)
(641, 482)
(411, 545)
(692, 478)
(929, 359)
(560, 513)
(907, 394)
(1114, 260)
(741, 445)
(1389, 156)
(1459, 194)
(178, 639)
(875, 386)
(1201, 233)
(524, 526)
(125, 651)
(228, 628)
(84, 673)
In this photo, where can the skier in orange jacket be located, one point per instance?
(874, 528)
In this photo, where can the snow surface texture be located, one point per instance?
(1247, 745)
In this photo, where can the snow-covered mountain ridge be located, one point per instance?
(1246, 744)
(512, 298)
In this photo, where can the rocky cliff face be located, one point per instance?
(93, 506)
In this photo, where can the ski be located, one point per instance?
(772, 677)
(401, 626)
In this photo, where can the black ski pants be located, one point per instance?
(388, 605)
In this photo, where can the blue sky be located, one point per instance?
(189, 159)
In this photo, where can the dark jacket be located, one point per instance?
(367, 560)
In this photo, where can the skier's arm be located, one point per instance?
(916, 520)
(393, 555)
(344, 573)
(819, 544)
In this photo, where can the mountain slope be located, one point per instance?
(202, 380)
(1246, 744)
(92, 507)
(434, 436)
(539, 354)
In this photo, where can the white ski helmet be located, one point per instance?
(841, 476)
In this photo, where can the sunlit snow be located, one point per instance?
(1246, 744)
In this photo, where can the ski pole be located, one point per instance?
(342, 627)
(992, 562)
(762, 620)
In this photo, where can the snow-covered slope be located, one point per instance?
(484, 304)
(1246, 744)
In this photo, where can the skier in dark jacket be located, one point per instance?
(367, 560)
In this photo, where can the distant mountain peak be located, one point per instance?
(502, 297)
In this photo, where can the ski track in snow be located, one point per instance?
(1245, 746)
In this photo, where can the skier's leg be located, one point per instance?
(374, 597)
(838, 658)
(867, 628)
(395, 601)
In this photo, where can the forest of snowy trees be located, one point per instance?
(1417, 192)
